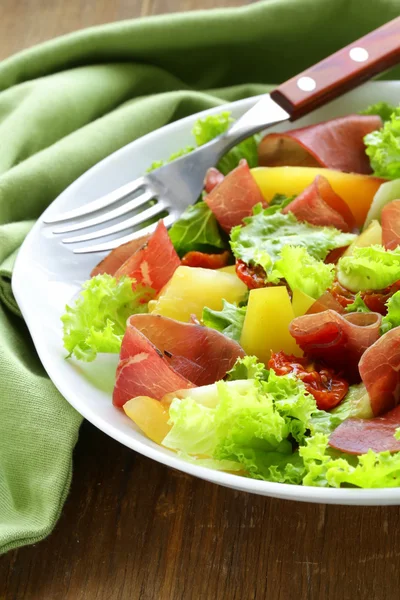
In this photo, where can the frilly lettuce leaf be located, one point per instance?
(248, 367)
(196, 229)
(210, 127)
(370, 268)
(358, 305)
(383, 148)
(261, 239)
(302, 271)
(392, 319)
(205, 130)
(251, 426)
(382, 109)
(326, 467)
(97, 321)
(229, 320)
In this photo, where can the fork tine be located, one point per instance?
(134, 221)
(123, 240)
(108, 216)
(111, 198)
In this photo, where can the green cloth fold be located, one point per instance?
(68, 103)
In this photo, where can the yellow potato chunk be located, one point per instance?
(301, 302)
(372, 235)
(230, 269)
(355, 189)
(266, 325)
(150, 415)
(190, 289)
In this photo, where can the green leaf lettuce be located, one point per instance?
(97, 321)
(370, 268)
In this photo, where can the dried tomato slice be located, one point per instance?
(324, 384)
(206, 261)
(253, 277)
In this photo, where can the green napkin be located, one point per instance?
(70, 102)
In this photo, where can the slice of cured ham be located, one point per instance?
(113, 261)
(319, 205)
(335, 144)
(390, 220)
(233, 199)
(380, 372)
(160, 355)
(144, 371)
(212, 179)
(212, 353)
(154, 263)
(357, 436)
(325, 302)
(338, 340)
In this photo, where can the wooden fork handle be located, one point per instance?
(372, 54)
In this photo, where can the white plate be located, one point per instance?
(47, 275)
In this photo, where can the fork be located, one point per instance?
(167, 191)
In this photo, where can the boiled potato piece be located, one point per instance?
(356, 190)
(150, 415)
(370, 236)
(266, 325)
(301, 302)
(190, 289)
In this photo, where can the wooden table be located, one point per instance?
(134, 529)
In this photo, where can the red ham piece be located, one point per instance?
(212, 179)
(357, 436)
(319, 205)
(201, 354)
(390, 220)
(335, 144)
(144, 371)
(233, 199)
(113, 261)
(325, 302)
(160, 355)
(154, 263)
(380, 371)
(206, 261)
(338, 340)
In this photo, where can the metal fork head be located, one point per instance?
(165, 193)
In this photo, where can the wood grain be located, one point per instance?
(133, 529)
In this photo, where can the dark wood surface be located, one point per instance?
(134, 529)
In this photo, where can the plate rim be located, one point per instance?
(343, 496)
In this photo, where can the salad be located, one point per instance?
(260, 335)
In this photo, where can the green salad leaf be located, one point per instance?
(254, 426)
(382, 109)
(370, 268)
(302, 271)
(383, 147)
(325, 467)
(392, 319)
(358, 305)
(261, 239)
(206, 129)
(196, 229)
(97, 321)
(229, 320)
(248, 368)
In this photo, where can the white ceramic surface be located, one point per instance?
(47, 275)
